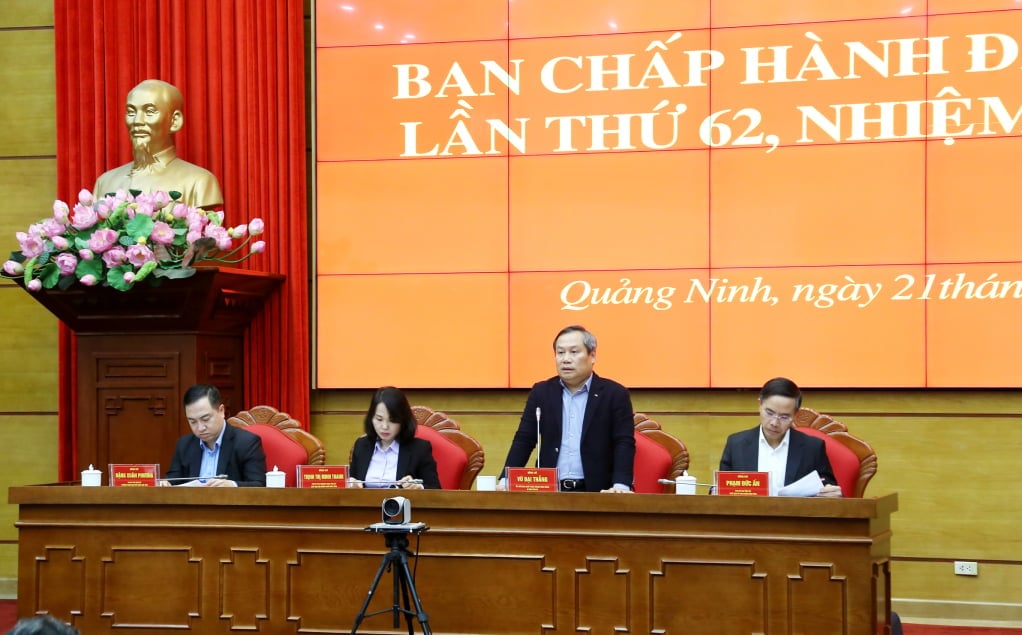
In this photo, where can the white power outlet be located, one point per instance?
(966, 567)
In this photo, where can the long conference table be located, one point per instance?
(159, 560)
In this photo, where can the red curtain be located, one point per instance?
(240, 65)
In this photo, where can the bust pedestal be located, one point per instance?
(138, 351)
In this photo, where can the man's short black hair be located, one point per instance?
(200, 391)
(781, 387)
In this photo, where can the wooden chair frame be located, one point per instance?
(449, 428)
(679, 452)
(282, 421)
(809, 418)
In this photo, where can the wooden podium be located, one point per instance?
(133, 560)
(138, 351)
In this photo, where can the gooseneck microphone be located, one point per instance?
(538, 414)
(193, 478)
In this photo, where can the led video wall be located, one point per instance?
(721, 191)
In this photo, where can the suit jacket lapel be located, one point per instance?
(553, 415)
(361, 467)
(592, 403)
(795, 453)
(750, 451)
(193, 457)
(226, 447)
(404, 459)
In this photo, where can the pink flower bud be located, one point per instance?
(258, 246)
(61, 211)
(255, 227)
(89, 280)
(66, 262)
(129, 276)
(34, 284)
(85, 197)
(85, 254)
(14, 268)
(60, 243)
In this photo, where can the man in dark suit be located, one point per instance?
(214, 447)
(586, 422)
(775, 446)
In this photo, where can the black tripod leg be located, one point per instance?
(407, 604)
(372, 589)
(409, 586)
(397, 603)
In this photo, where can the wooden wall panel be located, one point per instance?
(29, 187)
(28, 357)
(28, 109)
(494, 563)
(26, 13)
(30, 440)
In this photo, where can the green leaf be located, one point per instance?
(140, 227)
(174, 195)
(82, 239)
(49, 275)
(65, 282)
(115, 277)
(174, 274)
(89, 267)
(127, 241)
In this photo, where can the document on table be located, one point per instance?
(808, 485)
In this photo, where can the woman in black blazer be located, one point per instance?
(389, 455)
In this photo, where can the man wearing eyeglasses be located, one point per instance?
(774, 445)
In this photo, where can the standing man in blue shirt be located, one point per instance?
(585, 422)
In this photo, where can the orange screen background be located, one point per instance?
(722, 192)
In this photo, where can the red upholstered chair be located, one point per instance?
(853, 460)
(285, 443)
(459, 458)
(657, 455)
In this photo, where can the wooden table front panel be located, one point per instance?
(135, 560)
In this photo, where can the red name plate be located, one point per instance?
(134, 475)
(743, 483)
(532, 479)
(323, 476)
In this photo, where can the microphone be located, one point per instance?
(392, 484)
(538, 413)
(192, 478)
(667, 481)
(398, 484)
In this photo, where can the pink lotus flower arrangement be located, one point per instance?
(122, 239)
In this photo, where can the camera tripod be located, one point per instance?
(396, 560)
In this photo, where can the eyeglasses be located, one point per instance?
(770, 414)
